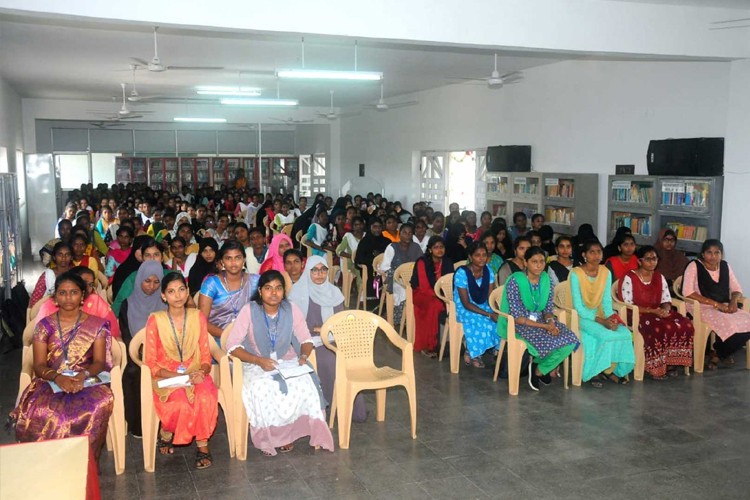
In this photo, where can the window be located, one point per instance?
(74, 170)
(103, 168)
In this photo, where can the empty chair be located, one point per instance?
(354, 333)
(402, 276)
(452, 329)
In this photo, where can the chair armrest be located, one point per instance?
(623, 307)
(511, 324)
(680, 305)
(216, 352)
(743, 301)
(397, 339)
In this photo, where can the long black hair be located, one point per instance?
(265, 278)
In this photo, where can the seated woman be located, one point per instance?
(148, 250)
(134, 314)
(710, 281)
(62, 258)
(517, 263)
(275, 255)
(559, 268)
(318, 300)
(608, 345)
(317, 233)
(224, 294)
(584, 234)
(672, 262)
(667, 335)
(293, 264)
(268, 331)
(528, 297)
(78, 244)
(177, 344)
(472, 284)
(350, 243)
(485, 226)
(420, 235)
(428, 308)
(203, 264)
(69, 347)
(613, 248)
(116, 256)
(372, 244)
(403, 252)
(490, 243)
(455, 243)
(504, 247)
(178, 258)
(625, 260)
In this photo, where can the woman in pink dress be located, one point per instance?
(711, 282)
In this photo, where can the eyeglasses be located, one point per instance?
(318, 270)
(670, 239)
(650, 259)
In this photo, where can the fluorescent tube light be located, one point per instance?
(225, 88)
(320, 74)
(237, 93)
(200, 120)
(260, 102)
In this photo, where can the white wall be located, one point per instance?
(734, 232)
(11, 130)
(578, 116)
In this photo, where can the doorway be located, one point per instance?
(462, 167)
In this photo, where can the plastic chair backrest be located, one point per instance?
(376, 264)
(298, 236)
(35, 310)
(563, 295)
(109, 296)
(225, 335)
(444, 288)
(134, 349)
(102, 279)
(616, 290)
(459, 264)
(287, 284)
(677, 287)
(287, 230)
(354, 333)
(496, 297)
(403, 273)
(118, 354)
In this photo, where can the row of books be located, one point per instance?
(529, 188)
(637, 193)
(499, 209)
(559, 215)
(497, 187)
(638, 224)
(692, 197)
(566, 189)
(688, 232)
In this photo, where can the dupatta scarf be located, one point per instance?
(190, 347)
(592, 292)
(479, 293)
(534, 298)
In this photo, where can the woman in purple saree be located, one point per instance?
(69, 348)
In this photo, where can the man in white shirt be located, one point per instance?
(252, 210)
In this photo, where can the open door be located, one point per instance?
(433, 180)
(43, 180)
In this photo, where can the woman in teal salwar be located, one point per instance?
(528, 298)
(607, 344)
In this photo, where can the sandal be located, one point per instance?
(616, 380)
(203, 460)
(727, 362)
(477, 362)
(428, 354)
(713, 363)
(165, 446)
(596, 384)
(286, 448)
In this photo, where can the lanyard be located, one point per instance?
(179, 344)
(73, 333)
(272, 336)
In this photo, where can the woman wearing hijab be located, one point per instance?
(203, 264)
(134, 313)
(302, 223)
(370, 246)
(275, 254)
(318, 300)
(427, 306)
(672, 262)
(130, 264)
(182, 218)
(455, 243)
(317, 233)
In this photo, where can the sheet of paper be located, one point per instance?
(292, 368)
(101, 378)
(178, 381)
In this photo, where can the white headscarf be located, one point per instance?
(326, 295)
(178, 221)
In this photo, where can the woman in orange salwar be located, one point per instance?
(177, 344)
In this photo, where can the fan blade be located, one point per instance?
(141, 62)
(194, 68)
(466, 79)
(140, 98)
(512, 77)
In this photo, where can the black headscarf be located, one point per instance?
(453, 250)
(612, 249)
(370, 246)
(303, 222)
(585, 233)
(131, 264)
(201, 268)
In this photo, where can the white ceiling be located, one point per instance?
(87, 61)
(726, 4)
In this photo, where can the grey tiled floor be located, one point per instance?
(683, 438)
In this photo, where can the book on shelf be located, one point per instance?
(528, 188)
(691, 195)
(559, 215)
(499, 209)
(688, 231)
(638, 224)
(565, 189)
(636, 193)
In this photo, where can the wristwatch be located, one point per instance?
(86, 374)
(303, 356)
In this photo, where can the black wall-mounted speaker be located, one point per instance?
(703, 157)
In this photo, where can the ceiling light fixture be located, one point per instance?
(260, 102)
(323, 74)
(190, 119)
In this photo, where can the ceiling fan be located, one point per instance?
(331, 113)
(134, 95)
(381, 105)
(496, 80)
(124, 112)
(156, 65)
(103, 125)
(290, 121)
